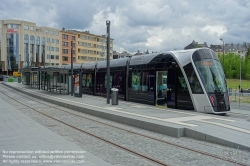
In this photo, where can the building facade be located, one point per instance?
(240, 49)
(195, 45)
(124, 54)
(24, 44)
(218, 49)
(66, 38)
(90, 47)
(52, 45)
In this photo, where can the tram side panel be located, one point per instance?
(141, 85)
(117, 80)
(184, 100)
(197, 93)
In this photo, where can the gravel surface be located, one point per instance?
(169, 154)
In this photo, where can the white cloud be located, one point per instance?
(214, 30)
(156, 25)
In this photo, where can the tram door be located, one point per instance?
(161, 87)
(171, 88)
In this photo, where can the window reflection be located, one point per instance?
(145, 81)
(87, 80)
(136, 77)
(212, 76)
(192, 79)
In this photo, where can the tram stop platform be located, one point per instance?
(24, 141)
(223, 130)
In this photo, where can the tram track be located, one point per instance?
(126, 130)
(92, 135)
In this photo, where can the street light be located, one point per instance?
(240, 71)
(71, 67)
(28, 60)
(20, 62)
(223, 51)
(108, 61)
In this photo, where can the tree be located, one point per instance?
(232, 63)
(248, 53)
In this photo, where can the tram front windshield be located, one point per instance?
(212, 76)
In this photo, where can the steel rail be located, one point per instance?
(147, 136)
(93, 135)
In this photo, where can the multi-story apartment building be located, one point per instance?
(66, 37)
(91, 47)
(52, 45)
(25, 44)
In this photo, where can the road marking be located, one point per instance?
(179, 120)
(192, 118)
(182, 120)
(139, 106)
(169, 110)
(109, 108)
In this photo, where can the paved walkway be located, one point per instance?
(24, 140)
(226, 131)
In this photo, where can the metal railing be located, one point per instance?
(239, 100)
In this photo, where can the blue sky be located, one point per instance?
(156, 25)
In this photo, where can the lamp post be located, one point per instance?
(20, 62)
(223, 51)
(108, 61)
(28, 60)
(240, 84)
(240, 71)
(1, 68)
(71, 67)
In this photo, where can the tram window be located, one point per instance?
(193, 79)
(136, 79)
(144, 81)
(110, 78)
(87, 80)
(182, 82)
(84, 80)
(118, 80)
(211, 74)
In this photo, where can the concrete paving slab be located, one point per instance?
(177, 123)
(22, 137)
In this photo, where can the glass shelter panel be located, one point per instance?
(87, 83)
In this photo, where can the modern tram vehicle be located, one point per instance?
(187, 79)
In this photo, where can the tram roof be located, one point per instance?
(113, 63)
(185, 56)
(90, 65)
(143, 59)
(75, 66)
